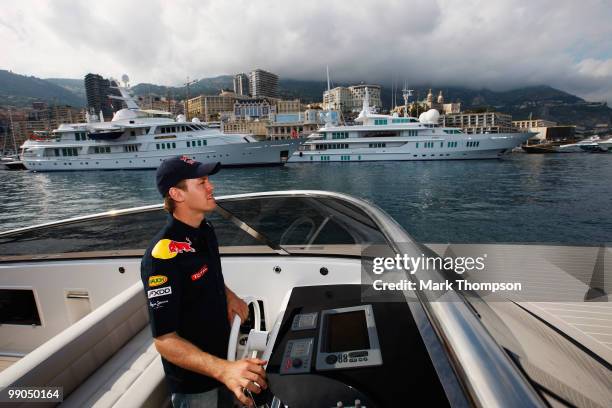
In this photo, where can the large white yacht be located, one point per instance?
(141, 139)
(385, 137)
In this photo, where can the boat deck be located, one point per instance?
(562, 285)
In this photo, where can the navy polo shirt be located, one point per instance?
(183, 282)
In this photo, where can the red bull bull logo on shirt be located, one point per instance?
(167, 248)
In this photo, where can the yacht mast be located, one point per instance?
(12, 131)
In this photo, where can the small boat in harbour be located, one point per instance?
(605, 145)
(581, 146)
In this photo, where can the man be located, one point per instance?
(190, 308)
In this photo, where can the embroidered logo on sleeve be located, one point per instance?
(157, 280)
(167, 248)
(199, 273)
(153, 293)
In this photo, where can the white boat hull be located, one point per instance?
(267, 153)
(491, 146)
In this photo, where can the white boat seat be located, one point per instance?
(106, 359)
(117, 377)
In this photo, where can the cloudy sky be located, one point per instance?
(497, 44)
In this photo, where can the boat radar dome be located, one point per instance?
(431, 116)
(195, 120)
(124, 114)
(180, 118)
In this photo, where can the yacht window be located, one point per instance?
(173, 145)
(102, 149)
(18, 306)
(188, 144)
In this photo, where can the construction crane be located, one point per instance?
(187, 100)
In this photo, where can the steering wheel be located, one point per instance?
(294, 225)
(233, 338)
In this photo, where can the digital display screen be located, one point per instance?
(347, 331)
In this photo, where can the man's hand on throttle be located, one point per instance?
(247, 373)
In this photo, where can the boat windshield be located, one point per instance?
(258, 224)
(321, 225)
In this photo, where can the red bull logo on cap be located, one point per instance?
(188, 160)
(167, 248)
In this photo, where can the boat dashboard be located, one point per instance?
(333, 350)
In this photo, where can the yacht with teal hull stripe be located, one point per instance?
(390, 138)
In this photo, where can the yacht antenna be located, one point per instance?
(406, 94)
(328, 115)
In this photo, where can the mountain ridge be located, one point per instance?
(541, 101)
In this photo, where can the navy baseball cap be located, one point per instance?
(171, 171)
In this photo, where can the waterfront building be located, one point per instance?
(448, 108)
(23, 123)
(263, 84)
(545, 130)
(532, 123)
(241, 84)
(160, 103)
(350, 99)
(552, 134)
(253, 108)
(416, 107)
(297, 124)
(255, 127)
(484, 122)
(210, 107)
(439, 105)
(97, 91)
(288, 106)
(39, 105)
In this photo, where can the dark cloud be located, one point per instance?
(496, 44)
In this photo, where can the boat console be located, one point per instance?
(333, 350)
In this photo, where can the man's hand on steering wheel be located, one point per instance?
(236, 306)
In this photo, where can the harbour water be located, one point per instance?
(558, 198)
